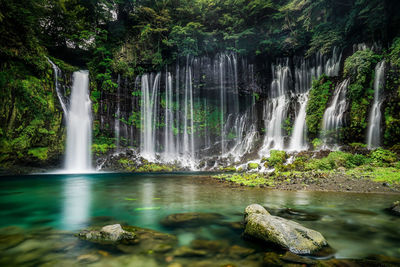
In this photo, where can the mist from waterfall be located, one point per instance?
(375, 117)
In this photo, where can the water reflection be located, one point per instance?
(77, 199)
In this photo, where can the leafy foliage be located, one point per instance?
(319, 95)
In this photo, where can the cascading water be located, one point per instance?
(79, 125)
(275, 109)
(169, 144)
(149, 107)
(57, 73)
(333, 118)
(374, 130)
(117, 115)
(298, 140)
(79, 122)
(305, 72)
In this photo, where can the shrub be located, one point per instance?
(320, 92)
(382, 156)
(252, 166)
(276, 157)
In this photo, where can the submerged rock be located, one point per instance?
(394, 208)
(148, 241)
(189, 252)
(213, 245)
(190, 219)
(109, 233)
(284, 233)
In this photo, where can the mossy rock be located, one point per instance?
(284, 233)
(253, 166)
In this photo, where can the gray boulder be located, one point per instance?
(109, 233)
(284, 233)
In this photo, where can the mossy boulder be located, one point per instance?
(107, 234)
(253, 166)
(284, 233)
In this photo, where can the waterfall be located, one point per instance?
(333, 118)
(298, 140)
(79, 121)
(57, 73)
(117, 115)
(275, 109)
(188, 127)
(169, 144)
(149, 115)
(374, 130)
(305, 72)
(79, 125)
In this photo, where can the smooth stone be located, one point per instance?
(109, 233)
(188, 252)
(190, 219)
(284, 233)
(148, 241)
(88, 258)
(255, 208)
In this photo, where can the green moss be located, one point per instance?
(382, 157)
(335, 160)
(276, 158)
(247, 179)
(320, 92)
(154, 167)
(228, 169)
(252, 166)
(378, 174)
(359, 67)
(39, 152)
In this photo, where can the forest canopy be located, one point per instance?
(133, 35)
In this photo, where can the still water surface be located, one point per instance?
(354, 224)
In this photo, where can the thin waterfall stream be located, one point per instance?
(374, 129)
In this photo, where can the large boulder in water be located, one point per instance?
(284, 233)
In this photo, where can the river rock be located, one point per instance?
(190, 219)
(109, 234)
(189, 252)
(284, 233)
(395, 208)
(254, 208)
(148, 241)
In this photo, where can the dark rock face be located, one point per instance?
(284, 233)
(395, 208)
(190, 219)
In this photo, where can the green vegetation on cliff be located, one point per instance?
(359, 67)
(320, 92)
